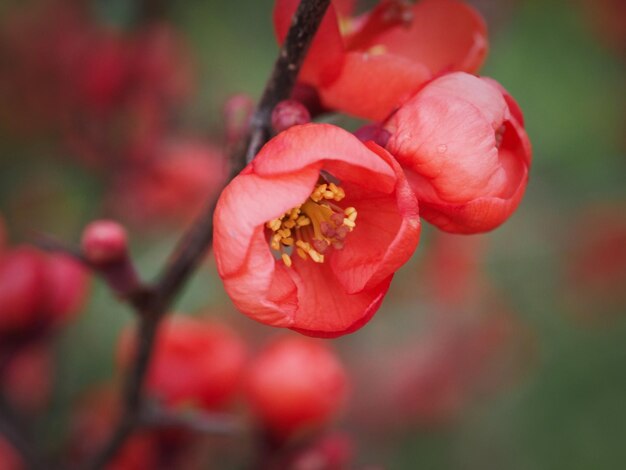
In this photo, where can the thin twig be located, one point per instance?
(157, 299)
(303, 27)
(222, 424)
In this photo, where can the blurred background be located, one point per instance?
(503, 350)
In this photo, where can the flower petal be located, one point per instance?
(445, 36)
(371, 86)
(340, 153)
(386, 235)
(263, 290)
(246, 204)
(325, 309)
(480, 215)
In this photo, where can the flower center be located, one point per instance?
(313, 226)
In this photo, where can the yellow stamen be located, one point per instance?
(314, 226)
(286, 259)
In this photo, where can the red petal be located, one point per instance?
(445, 35)
(386, 235)
(325, 309)
(371, 86)
(246, 204)
(340, 153)
(450, 143)
(263, 290)
(480, 215)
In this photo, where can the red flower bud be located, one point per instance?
(289, 113)
(296, 384)
(462, 145)
(196, 362)
(104, 242)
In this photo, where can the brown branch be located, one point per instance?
(305, 23)
(156, 300)
(219, 424)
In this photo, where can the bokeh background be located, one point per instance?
(504, 350)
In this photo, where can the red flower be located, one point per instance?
(296, 384)
(38, 290)
(173, 186)
(302, 193)
(196, 362)
(463, 146)
(386, 55)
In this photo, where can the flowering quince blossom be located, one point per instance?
(386, 55)
(462, 144)
(287, 240)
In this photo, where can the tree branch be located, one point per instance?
(303, 27)
(157, 298)
(220, 424)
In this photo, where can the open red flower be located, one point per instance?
(466, 154)
(288, 244)
(370, 64)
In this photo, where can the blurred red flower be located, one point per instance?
(368, 65)
(302, 193)
(39, 290)
(595, 262)
(172, 186)
(27, 377)
(196, 363)
(466, 154)
(295, 385)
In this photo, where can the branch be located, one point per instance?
(157, 299)
(303, 27)
(221, 424)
